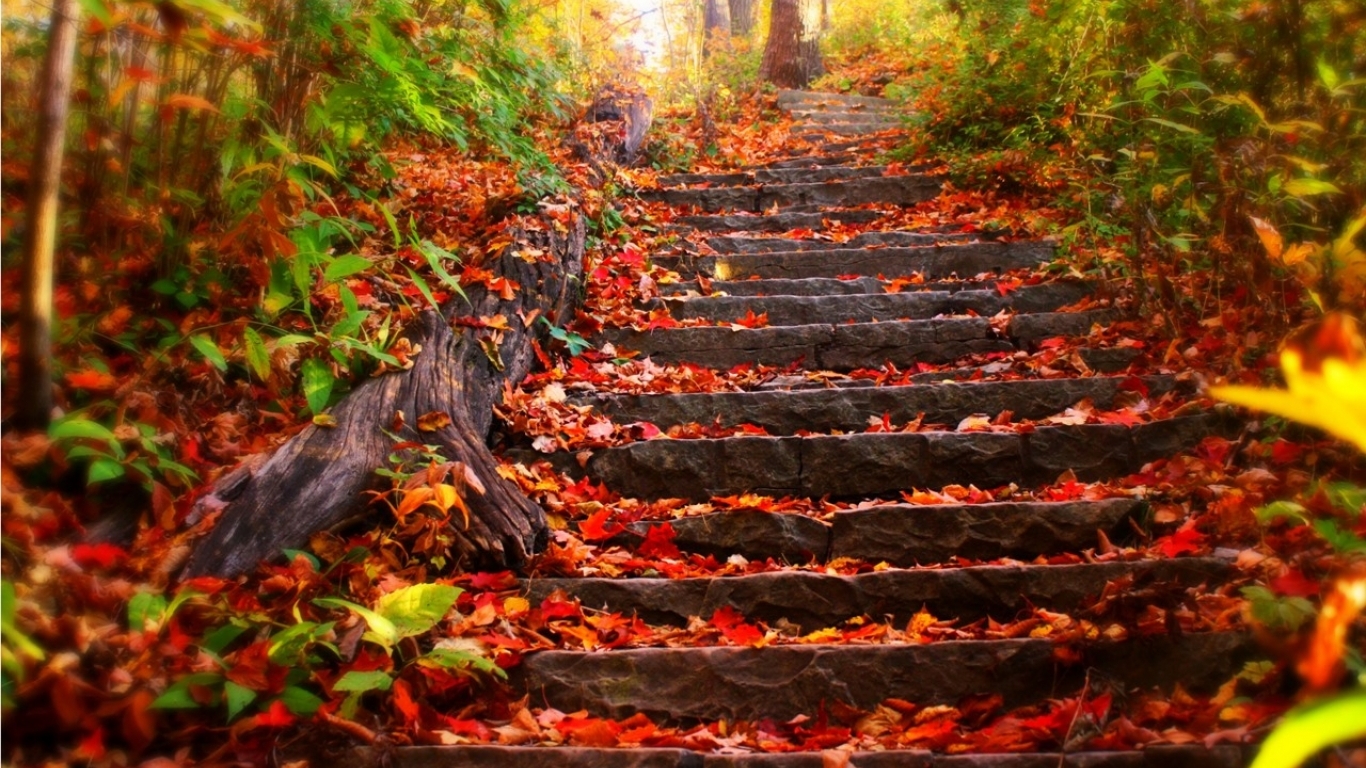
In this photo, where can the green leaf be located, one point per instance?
(317, 383)
(177, 696)
(1173, 125)
(345, 266)
(209, 350)
(258, 357)
(433, 253)
(423, 289)
(299, 701)
(237, 698)
(1348, 497)
(1328, 75)
(382, 631)
(1310, 188)
(1278, 509)
(360, 682)
(449, 658)
(78, 427)
(293, 554)
(101, 12)
(216, 640)
(416, 609)
(288, 644)
(104, 470)
(145, 608)
(1306, 730)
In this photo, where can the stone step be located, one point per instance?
(774, 176)
(809, 131)
(807, 309)
(878, 463)
(849, 409)
(468, 756)
(786, 681)
(890, 190)
(849, 347)
(828, 116)
(813, 161)
(776, 222)
(929, 261)
(901, 238)
(905, 534)
(790, 99)
(813, 601)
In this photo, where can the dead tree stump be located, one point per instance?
(316, 480)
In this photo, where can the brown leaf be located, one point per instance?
(433, 421)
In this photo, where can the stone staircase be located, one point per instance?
(828, 309)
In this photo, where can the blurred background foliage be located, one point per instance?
(1221, 135)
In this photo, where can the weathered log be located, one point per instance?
(316, 480)
(634, 109)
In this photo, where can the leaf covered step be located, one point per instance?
(775, 222)
(890, 190)
(1157, 756)
(847, 347)
(786, 681)
(775, 176)
(849, 408)
(865, 308)
(871, 464)
(901, 238)
(932, 261)
(905, 534)
(813, 601)
(794, 99)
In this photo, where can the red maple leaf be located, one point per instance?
(1186, 540)
(734, 627)
(276, 716)
(101, 555)
(659, 542)
(597, 528)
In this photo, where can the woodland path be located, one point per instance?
(828, 309)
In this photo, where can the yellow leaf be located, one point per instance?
(514, 606)
(1271, 239)
(1330, 396)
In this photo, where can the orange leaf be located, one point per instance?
(189, 101)
(1271, 239)
(431, 422)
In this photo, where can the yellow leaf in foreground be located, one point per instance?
(1330, 395)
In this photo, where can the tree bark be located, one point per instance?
(634, 109)
(316, 480)
(716, 22)
(40, 239)
(741, 17)
(792, 56)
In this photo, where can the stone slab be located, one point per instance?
(479, 756)
(775, 222)
(907, 535)
(868, 464)
(814, 600)
(962, 259)
(785, 681)
(850, 408)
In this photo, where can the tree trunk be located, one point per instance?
(792, 57)
(40, 238)
(716, 23)
(316, 480)
(741, 17)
